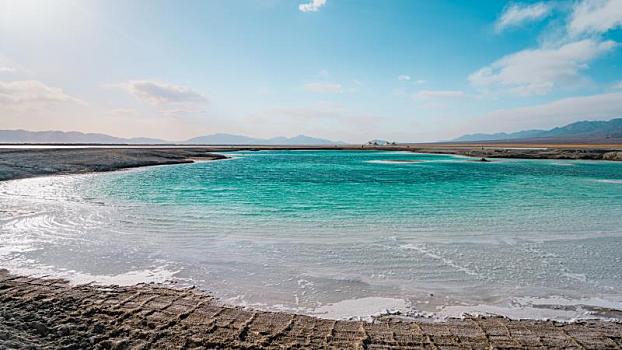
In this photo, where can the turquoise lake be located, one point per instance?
(337, 233)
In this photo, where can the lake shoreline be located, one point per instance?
(25, 163)
(16, 163)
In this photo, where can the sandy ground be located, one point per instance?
(21, 163)
(50, 314)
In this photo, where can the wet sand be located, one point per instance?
(50, 314)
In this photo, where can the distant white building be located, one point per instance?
(380, 143)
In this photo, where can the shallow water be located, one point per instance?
(337, 233)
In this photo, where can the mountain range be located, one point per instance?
(586, 131)
(62, 137)
(579, 131)
(228, 139)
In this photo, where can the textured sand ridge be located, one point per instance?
(50, 314)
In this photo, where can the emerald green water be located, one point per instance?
(307, 230)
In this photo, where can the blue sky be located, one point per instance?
(340, 69)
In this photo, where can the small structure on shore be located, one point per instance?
(380, 143)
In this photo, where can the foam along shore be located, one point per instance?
(51, 314)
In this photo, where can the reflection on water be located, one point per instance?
(337, 233)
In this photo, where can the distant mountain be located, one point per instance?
(500, 136)
(305, 140)
(228, 139)
(223, 139)
(583, 130)
(24, 136)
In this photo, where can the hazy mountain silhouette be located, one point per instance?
(24, 136)
(228, 139)
(584, 130)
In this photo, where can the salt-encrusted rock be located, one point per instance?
(613, 156)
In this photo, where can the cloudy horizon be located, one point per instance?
(352, 71)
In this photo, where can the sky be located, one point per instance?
(346, 70)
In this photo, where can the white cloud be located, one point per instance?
(517, 14)
(618, 85)
(556, 113)
(160, 93)
(595, 16)
(405, 77)
(31, 93)
(537, 71)
(439, 94)
(312, 6)
(6, 69)
(330, 88)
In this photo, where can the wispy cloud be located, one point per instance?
(330, 88)
(5, 69)
(517, 14)
(32, 93)
(556, 113)
(160, 93)
(405, 77)
(537, 71)
(312, 6)
(331, 120)
(595, 17)
(439, 94)
(617, 86)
